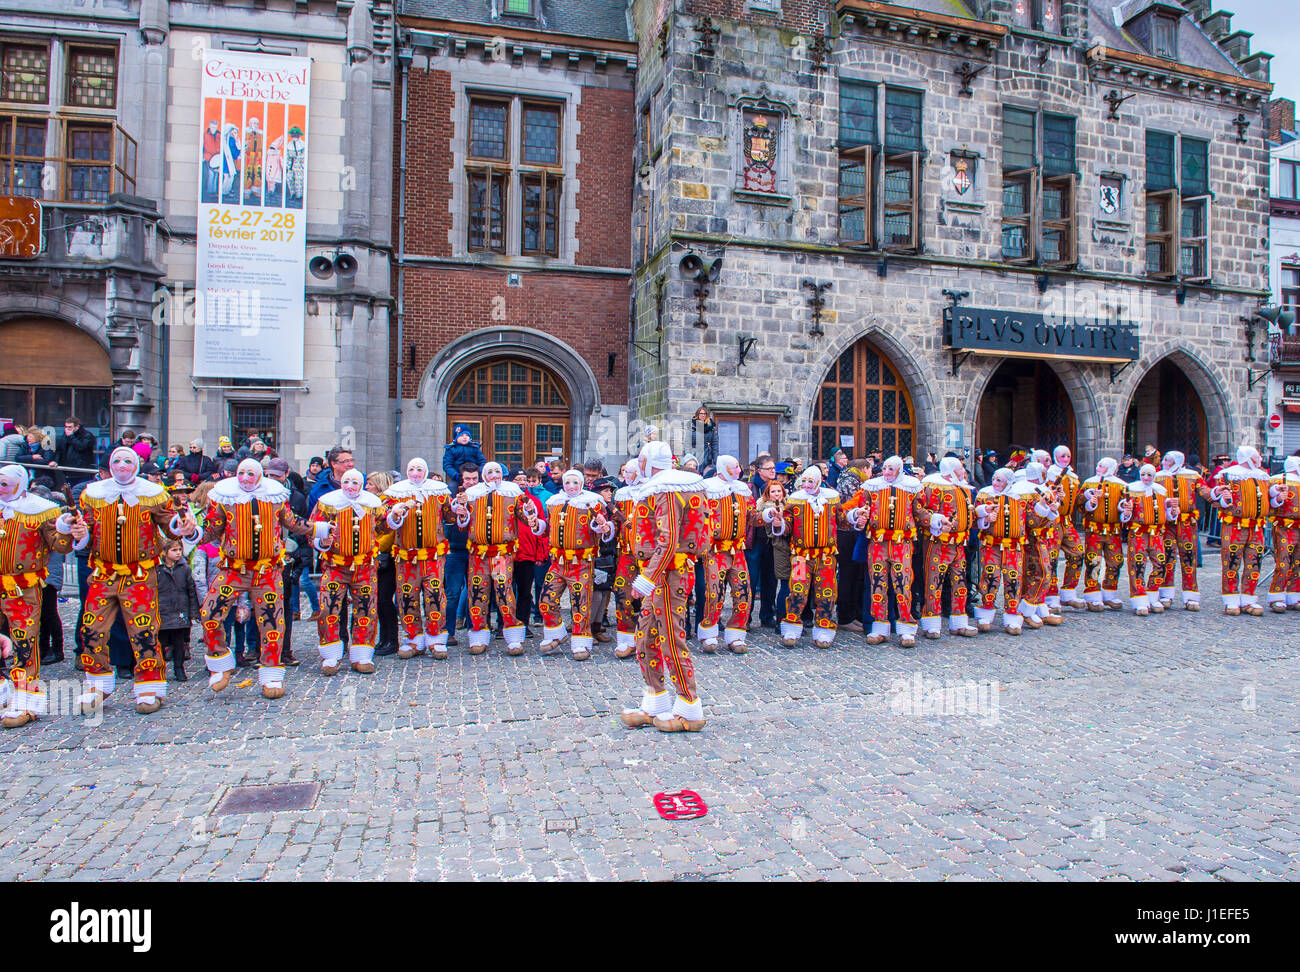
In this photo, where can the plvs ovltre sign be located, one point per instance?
(986, 331)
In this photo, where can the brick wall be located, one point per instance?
(587, 312)
(428, 163)
(606, 147)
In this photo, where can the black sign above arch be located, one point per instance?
(980, 330)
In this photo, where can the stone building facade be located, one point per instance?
(514, 173)
(1284, 276)
(108, 293)
(1095, 163)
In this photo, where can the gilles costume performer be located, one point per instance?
(245, 514)
(1284, 496)
(672, 529)
(128, 518)
(1147, 517)
(946, 497)
(1000, 514)
(348, 523)
(812, 515)
(1182, 486)
(1241, 490)
(417, 509)
(30, 529)
(577, 524)
(1042, 511)
(731, 506)
(491, 511)
(626, 603)
(886, 508)
(1104, 503)
(1064, 482)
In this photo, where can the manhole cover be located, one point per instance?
(269, 798)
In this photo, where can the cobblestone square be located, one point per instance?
(1108, 748)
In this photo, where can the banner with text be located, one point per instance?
(252, 232)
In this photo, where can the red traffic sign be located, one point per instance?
(680, 805)
(1275, 421)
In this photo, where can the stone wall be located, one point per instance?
(769, 246)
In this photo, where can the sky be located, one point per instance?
(1276, 26)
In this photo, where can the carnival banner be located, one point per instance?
(252, 230)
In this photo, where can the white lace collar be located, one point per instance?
(109, 491)
(817, 500)
(26, 505)
(934, 479)
(1239, 472)
(365, 501)
(228, 492)
(507, 489)
(405, 489)
(669, 481)
(715, 487)
(583, 500)
(908, 484)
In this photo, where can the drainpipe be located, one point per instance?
(403, 62)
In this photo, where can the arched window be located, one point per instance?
(863, 399)
(517, 410)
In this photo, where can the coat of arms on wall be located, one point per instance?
(760, 152)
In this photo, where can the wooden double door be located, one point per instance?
(516, 440)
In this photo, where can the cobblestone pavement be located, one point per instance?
(1110, 747)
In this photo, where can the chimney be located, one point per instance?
(1281, 118)
(1218, 24)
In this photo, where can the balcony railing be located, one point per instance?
(1284, 350)
(99, 159)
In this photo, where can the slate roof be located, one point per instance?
(603, 19)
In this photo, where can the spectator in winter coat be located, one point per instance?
(531, 556)
(178, 606)
(196, 466)
(77, 446)
(225, 451)
(11, 442)
(460, 450)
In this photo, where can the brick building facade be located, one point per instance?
(99, 315)
(1095, 163)
(513, 225)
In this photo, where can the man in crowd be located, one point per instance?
(339, 461)
(76, 447)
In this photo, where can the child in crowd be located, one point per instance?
(178, 606)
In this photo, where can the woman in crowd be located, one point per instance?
(386, 575)
(774, 498)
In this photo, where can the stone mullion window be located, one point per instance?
(857, 152)
(1044, 15)
(1177, 208)
(901, 170)
(92, 77)
(1039, 189)
(25, 73)
(515, 173)
(487, 170)
(541, 178)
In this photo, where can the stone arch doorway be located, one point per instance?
(1025, 405)
(53, 370)
(864, 401)
(518, 410)
(1166, 411)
